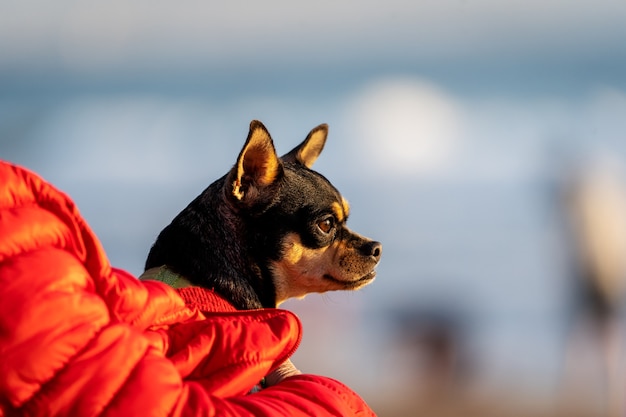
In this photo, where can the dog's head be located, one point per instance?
(295, 219)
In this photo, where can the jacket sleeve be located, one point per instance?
(80, 338)
(303, 395)
(216, 373)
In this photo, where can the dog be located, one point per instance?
(269, 230)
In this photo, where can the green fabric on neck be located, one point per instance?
(167, 276)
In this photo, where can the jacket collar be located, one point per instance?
(205, 300)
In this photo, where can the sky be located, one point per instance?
(559, 44)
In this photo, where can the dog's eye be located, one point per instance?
(326, 225)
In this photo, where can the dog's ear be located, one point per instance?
(307, 152)
(257, 165)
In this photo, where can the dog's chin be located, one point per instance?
(353, 284)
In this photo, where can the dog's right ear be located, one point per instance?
(257, 165)
(307, 152)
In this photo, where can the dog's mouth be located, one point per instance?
(365, 279)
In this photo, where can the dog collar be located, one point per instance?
(165, 275)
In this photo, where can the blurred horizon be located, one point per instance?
(475, 46)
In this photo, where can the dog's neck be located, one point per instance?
(207, 301)
(175, 280)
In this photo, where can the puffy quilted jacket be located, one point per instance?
(79, 338)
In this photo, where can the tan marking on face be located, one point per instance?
(303, 270)
(341, 211)
(345, 206)
(338, 212)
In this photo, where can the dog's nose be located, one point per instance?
(373, 249)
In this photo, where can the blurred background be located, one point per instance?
(480, 141)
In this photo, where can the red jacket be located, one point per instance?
(78, 338)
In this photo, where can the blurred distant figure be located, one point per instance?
(433, 359)
(596, 214)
